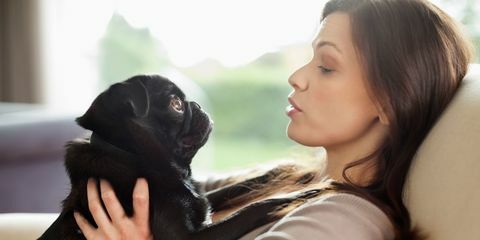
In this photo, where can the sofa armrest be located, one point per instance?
(32, 139)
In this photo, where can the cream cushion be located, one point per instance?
(443, 186)
(25, 226)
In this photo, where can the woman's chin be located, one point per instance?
(290, 132)
(296, 136)
(303, 138)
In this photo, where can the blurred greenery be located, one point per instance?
(248, 107)
(237, 153)
(126, 51)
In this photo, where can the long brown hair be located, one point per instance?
(414, 57)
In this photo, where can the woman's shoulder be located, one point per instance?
(332, 216)
(350, 204)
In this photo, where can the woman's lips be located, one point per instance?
(293, 108)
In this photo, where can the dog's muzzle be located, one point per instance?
(196, 126)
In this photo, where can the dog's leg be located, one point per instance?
(166, 223)
(252, 216)
(218, 198)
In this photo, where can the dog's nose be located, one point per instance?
(196, 104)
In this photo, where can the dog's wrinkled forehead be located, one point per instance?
(157, 91)
(156, 84)
(131, 98)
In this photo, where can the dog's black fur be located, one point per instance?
(144, 127)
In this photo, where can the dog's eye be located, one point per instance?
(176, 104)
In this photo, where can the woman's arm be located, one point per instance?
(120, 226)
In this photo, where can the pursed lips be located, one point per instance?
(294, 105)
(293, 108)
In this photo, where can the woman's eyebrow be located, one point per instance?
(326, 43)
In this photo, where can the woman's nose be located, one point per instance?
(298, 80)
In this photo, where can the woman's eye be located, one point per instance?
(176, 104)
(325, 70)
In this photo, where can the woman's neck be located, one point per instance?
(338, 157)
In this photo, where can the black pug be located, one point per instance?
(144, 127)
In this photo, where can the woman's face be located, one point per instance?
(331, 106)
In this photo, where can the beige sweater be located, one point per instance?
(338, 216)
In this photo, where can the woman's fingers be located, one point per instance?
(95, 207)
(141, 204)
(120, 227)
(87, 229)
(114, 208)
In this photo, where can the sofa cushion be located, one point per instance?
(24, 226)
(442, 189)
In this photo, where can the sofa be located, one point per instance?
(32, 176)
(442, 191)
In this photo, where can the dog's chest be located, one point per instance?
(196, 206)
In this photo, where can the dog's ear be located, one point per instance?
(128, 99)
(138, 100)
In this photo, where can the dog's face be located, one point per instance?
(148, 115)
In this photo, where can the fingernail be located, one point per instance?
(91, 180)
(103, 183)
(141, 180)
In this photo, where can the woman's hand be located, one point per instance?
(120, 226)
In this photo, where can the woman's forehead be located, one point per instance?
(335, 32)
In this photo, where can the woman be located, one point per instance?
(382, 73)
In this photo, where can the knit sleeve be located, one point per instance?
(339, 216)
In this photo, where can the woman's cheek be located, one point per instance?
(331, 125)
(354, 124)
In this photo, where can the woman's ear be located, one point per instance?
(383, 117)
